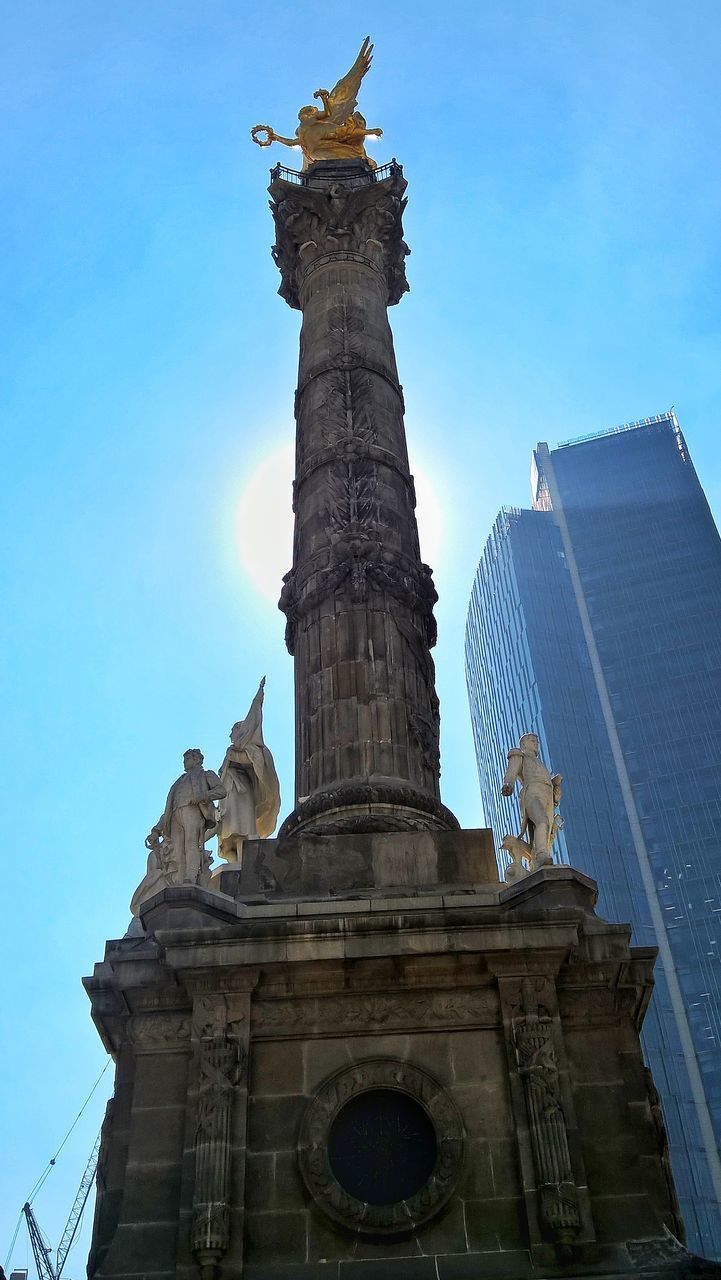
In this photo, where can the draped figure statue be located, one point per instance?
(249, 808)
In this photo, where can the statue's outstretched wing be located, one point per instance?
(344, 98)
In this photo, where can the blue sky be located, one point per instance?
(564, 205)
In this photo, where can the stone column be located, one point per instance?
(358, 599)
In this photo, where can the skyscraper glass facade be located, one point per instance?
(595, 621)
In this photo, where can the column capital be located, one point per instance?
(333, 215)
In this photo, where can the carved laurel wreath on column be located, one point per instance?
(313, 1154)
(371, 565)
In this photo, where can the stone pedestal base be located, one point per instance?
(365, 1059)
(407, 862)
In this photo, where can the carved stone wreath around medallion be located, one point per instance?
(314, 1157)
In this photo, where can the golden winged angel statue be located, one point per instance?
(335, 131)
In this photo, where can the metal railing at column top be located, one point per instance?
(299, 179)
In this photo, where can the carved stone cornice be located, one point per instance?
(362, 224)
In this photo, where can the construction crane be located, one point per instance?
(41, 1249)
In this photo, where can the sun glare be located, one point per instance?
(429, 514)
(264, 522)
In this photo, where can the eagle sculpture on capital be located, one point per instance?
(335, 131)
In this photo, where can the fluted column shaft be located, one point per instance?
(358, 599)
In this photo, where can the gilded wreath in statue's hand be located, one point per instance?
(262, 128)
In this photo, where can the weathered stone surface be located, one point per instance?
(495, 1224)
(319, 864)
(276, 1236)
(425, 987)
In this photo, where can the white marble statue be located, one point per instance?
(539, 796)
(177, 841)
(162, 870)
(251, 798)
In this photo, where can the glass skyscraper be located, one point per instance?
(595, 621)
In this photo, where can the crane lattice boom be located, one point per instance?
(76, 1212)
(41, 1250)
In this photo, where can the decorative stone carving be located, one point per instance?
(153, 1031)
(344, 411)
(352, 503)
(358, 556)
(313, 1153)
(536, 1059)
(426, 729)
(405, 1011)
(426, 734)
(251, 800)
(220, 1030)
(345, 325)
(221, 1064)
(361, 222)
(215, 1014)
(540, 794)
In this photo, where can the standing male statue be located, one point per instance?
(539, 796)
(251, 792)
(189, 817)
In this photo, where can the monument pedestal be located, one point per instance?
(379, 1075)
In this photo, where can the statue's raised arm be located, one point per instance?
(335, 131)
